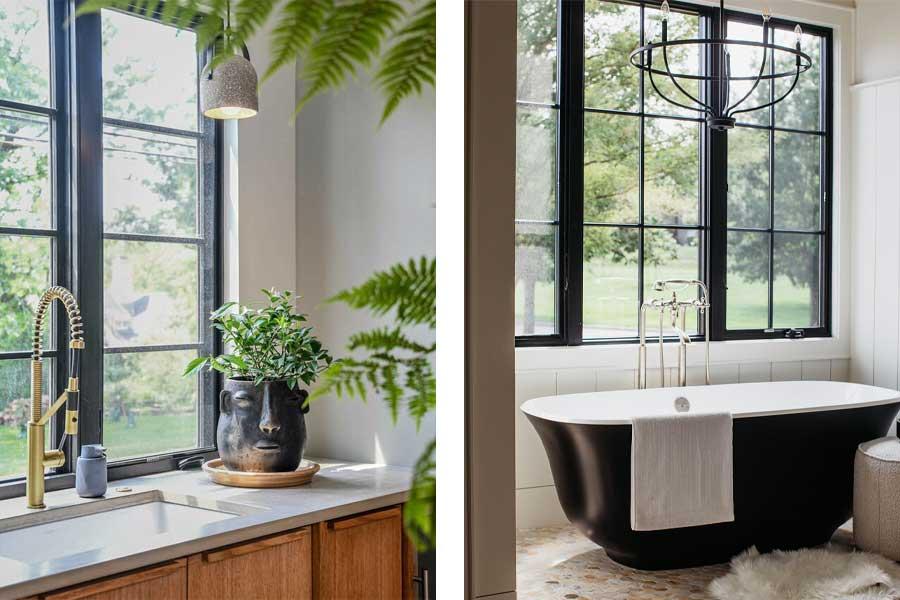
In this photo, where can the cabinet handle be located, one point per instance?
(424, 583)
(392, 513)
(254, 546)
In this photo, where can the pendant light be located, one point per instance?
(718, 107)
(230, 90)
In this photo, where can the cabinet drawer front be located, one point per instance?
(272, 568)
(164, 582)
(361, 557)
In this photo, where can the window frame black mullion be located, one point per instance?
(76, 146)
(713, 226)
(571, 172)
(88, 210)
(640, 174)
(210, 146)
(826, 258)
(149, 128)
(825, 232)
(716, 198)
(771, 132)
(62, 136)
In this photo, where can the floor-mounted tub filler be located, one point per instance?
(793, 451)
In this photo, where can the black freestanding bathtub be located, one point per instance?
(794, 444)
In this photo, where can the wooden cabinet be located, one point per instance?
(167, 581)
(360, 557)
(272, 568)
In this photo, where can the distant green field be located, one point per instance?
(151, 434)
(610, 292)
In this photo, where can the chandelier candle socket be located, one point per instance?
(717, 105)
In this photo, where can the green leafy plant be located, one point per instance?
(389, 361)
(333, 40)
(272, 343)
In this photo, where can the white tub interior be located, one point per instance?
(740, 399)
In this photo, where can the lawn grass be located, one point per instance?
(151, 434)
(610, 297)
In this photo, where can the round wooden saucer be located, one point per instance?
(249, 479)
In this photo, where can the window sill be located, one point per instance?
(151, 465)
(624, 356)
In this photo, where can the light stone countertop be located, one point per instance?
(339, 489)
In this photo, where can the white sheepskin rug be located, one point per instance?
(811, 574)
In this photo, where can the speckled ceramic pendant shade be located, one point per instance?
(230, 90)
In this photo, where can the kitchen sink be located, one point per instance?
(91, 526)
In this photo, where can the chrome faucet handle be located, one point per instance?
(682, 404)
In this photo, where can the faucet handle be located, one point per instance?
(682, 404)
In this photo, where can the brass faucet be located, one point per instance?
(38, 458)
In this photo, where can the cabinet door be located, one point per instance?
(164, 582)
(360, 557)
(273, 568)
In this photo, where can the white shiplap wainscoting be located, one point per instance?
(536, 502)
(875, 326)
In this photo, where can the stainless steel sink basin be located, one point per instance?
(91, 526)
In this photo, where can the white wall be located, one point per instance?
(876, 273)
(365, 200)
(260, 196)
(318, 205)
(878, 50)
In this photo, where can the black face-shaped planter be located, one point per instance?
(261, 427)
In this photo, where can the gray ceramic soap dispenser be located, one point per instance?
(90, 472)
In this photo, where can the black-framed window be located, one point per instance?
(617, 188)
(109, 185)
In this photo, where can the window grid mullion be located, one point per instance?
(60, 138)
(641, 166)
(771, 290)
(706, 225)
(148, 128)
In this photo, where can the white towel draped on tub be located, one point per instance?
(681, 471)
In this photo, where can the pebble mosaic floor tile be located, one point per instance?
(558, 563)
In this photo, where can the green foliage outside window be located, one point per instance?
(672, 161)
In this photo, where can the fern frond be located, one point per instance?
(250, 15)
(419, 510)
(350, 37)
(421, 380)
(386, 339)
(299, 23)
(180, 13)
(412, 60)
(396, 380)
(211, 27)
(409, 288)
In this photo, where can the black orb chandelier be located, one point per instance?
(719, 109)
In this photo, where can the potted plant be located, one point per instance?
(273, 352)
